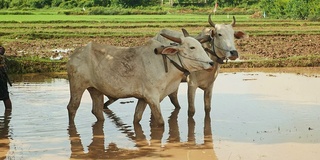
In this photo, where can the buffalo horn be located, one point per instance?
(185, 32)
(233, 22)
(204, 39)
(210, 21)
(174, 39)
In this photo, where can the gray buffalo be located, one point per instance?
(223, 47)
(122, 72)
(220, 47)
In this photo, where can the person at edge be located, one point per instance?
(4, 94)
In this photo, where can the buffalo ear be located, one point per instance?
(212, 33)
(240, 35)
(170, 50)
(158, 50)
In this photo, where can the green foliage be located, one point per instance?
(38, 3)
(136, 3)
(115, 3)
(116, 11)
(314, 10)
(56, 3)
(68, 4)
(274, 8)
(295, 9)
(4, 4)
(16, 4)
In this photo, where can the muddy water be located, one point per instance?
(256, 114)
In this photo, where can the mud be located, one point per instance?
(254, 47)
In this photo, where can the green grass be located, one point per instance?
(115, 18)
(48, 26)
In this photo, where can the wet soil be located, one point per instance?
(254, 47)
(281, 46)
(38, 56)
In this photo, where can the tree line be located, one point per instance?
(109, 3)
(296, 9)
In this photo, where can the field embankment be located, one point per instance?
(31, 40)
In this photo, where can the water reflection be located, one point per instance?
(95, 150)
(269, 114)
(174, 148)
(4, 134)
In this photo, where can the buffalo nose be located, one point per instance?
(211, 63)
(234, 53)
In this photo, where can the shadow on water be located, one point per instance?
(152, 148)
(4, 134)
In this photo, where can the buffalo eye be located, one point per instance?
(192, 47)
(219, 34)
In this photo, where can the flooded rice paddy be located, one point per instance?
(258, 114)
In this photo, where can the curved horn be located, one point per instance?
(204, 39)
(185, 32)
(210, 21)
(174, 39)
(233, 22)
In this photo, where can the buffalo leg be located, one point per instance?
(207, 99)
(174, 99)
(156, 112)
(191, 97)
(141, 106)
(75, 98)
(97, 103)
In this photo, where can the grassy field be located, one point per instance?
(62, 26)
(32, 37)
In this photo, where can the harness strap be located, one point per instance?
(219, 60)
(186, 72)
(165, 63)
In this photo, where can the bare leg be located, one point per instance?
(7, 104)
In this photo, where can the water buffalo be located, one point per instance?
(122, 72)
(220, 46)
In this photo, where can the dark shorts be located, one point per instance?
(4, 94)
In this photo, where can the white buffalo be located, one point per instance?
(122, 72)
(220, 47)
